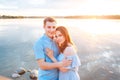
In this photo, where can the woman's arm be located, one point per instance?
(50, 54)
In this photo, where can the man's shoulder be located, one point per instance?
(40, 39)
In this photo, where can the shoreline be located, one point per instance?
(65, 17)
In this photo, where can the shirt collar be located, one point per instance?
(48, 38)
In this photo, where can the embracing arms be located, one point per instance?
(62, 68)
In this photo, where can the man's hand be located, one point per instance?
(66, 62)
(63, 69)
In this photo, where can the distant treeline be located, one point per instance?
(94, 16)
(75, 16)
(7, 16)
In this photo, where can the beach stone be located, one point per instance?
(21, 71)
(33, 74)
(15, 75)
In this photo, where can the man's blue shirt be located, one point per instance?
(40, 53)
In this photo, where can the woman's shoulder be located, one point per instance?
(69, 50)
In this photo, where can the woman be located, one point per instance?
(67, 51)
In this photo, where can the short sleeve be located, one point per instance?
(76, 61)
(39, 50)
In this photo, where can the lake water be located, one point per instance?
(97, 41)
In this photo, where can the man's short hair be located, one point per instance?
(49, 19)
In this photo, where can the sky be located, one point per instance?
(59, 7)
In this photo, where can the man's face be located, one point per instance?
(50, 28)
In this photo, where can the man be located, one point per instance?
(47, 69)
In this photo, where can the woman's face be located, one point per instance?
(59, 37)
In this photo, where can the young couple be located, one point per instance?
(55, 53)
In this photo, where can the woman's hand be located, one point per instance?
(49, 53)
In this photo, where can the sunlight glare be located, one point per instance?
(99, 7)
(95, 27)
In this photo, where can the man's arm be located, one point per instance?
(40, 57)
(46, 65)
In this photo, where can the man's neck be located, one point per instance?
(49, 36)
